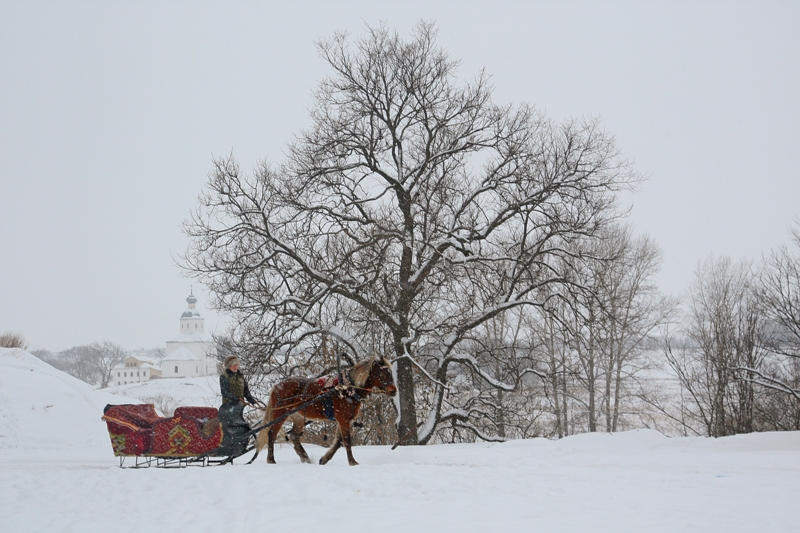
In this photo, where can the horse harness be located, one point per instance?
(347, 391)
(343, 384)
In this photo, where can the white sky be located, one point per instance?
(110, 114)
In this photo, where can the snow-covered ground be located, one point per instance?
(57, 473)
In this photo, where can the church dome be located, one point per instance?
(191, 312)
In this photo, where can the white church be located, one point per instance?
(189, 353)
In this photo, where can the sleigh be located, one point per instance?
(193, 436)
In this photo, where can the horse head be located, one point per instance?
(381, 378)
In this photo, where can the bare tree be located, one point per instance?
(78, 362)
(780, 294)
(632, 310)
(91, 363)
(725, 350)
(411, 205)
(594, 340)
(105, 355)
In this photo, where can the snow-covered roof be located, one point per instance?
(145, 359)
(182, 354)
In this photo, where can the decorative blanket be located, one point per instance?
(138, 430)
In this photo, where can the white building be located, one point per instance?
(135, 369)
(190, 353)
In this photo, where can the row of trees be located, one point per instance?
(480, 245)
(91, 363)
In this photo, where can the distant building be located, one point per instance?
(190, 353)
(135, 369)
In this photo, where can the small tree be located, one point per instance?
(411, 212)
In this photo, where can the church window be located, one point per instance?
(176, 369)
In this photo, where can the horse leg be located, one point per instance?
(347, 437)
(271, 436)
(337, 443)
(298, 423)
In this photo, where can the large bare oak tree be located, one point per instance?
(412, 210)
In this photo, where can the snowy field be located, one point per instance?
(57, 473)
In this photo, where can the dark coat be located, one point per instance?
(234, 388)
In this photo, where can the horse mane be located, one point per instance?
(360, 371)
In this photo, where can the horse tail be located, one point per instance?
(262, 437)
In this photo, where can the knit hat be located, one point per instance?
(230, 361)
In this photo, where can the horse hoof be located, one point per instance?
(353, 463)
(270, 461)
(305, 460)
(323, 461)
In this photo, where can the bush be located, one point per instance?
(13, 340)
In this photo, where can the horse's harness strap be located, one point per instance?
(349, 392)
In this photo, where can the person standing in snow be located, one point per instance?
(235, 395)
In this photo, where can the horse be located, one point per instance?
(372, 375)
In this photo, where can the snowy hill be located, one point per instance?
(42, 408)
(57, 473)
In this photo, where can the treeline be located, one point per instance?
(91, 363)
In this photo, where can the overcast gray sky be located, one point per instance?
(110, 114)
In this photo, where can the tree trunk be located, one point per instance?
(407, 427)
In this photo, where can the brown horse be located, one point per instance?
(343, 405)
